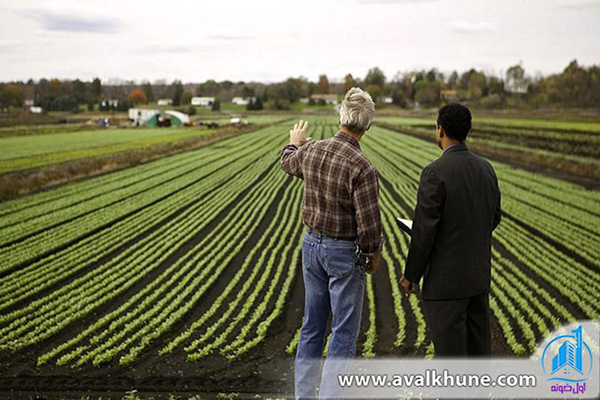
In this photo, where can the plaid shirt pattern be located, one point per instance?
(341, 189)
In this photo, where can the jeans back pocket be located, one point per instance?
(341, 261)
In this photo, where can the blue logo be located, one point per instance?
(567, 358)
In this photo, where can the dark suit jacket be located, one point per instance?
(458, 207)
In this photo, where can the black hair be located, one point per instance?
(456, 121)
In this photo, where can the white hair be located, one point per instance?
(357, 110)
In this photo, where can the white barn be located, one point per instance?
(184, 119)
(203, 101)
(242, 101)
(327, 98)
(165, 102)
(139, 116)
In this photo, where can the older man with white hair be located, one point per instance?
(343, 241)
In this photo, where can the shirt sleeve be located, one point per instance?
(428, 212)
(291, 157)
(365, 196)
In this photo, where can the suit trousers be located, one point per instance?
(460, 327)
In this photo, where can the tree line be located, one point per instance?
(575, 86)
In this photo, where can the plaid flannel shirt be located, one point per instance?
(341, 189)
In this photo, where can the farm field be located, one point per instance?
(564, 146)
(32, 151)
(23, 149)
(184, 273)
(516, 122)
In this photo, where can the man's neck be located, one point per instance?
(449, 143)
(349, 132)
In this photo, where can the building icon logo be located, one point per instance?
(567, 358)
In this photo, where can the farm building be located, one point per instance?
(450, 95)
(327, 98)
(178, 118)
(165, 102)
(140, 116)
(109, 103)
(242, 101)
(153, 118)
(203, 101)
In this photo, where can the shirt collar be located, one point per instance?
(461, 145)
(344, 136)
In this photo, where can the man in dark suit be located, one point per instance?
(458, 207)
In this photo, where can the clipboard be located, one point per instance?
(405, 225)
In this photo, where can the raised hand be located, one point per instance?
(298, 134)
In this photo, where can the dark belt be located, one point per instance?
(351, 238)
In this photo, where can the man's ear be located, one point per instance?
(442, 132)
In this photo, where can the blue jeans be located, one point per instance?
(333, 282)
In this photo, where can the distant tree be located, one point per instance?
(124, 105)
(177, 93)
(291, 90)
(375, 77)
(137, 96)
(399, 89)
(398, 98)
(78, 90)
(453, 80)
(255, 104)
(311, 88)
(60, 103)
(147, 88)
(56, 87)
(191, 110)
(280, 104)
(247, 92)
(574, 84)
(11, 95)
(375, 91)
(495, 85)
(349, 82)
(464, 79)
(433, 75)
(427, 92)
(97, 89)
(477, 86)
(226, 85)
(216, 106)
(208, 88)
(186, 98)
(323, 86)
(473, 84)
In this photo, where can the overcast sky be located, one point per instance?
(271, 40)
